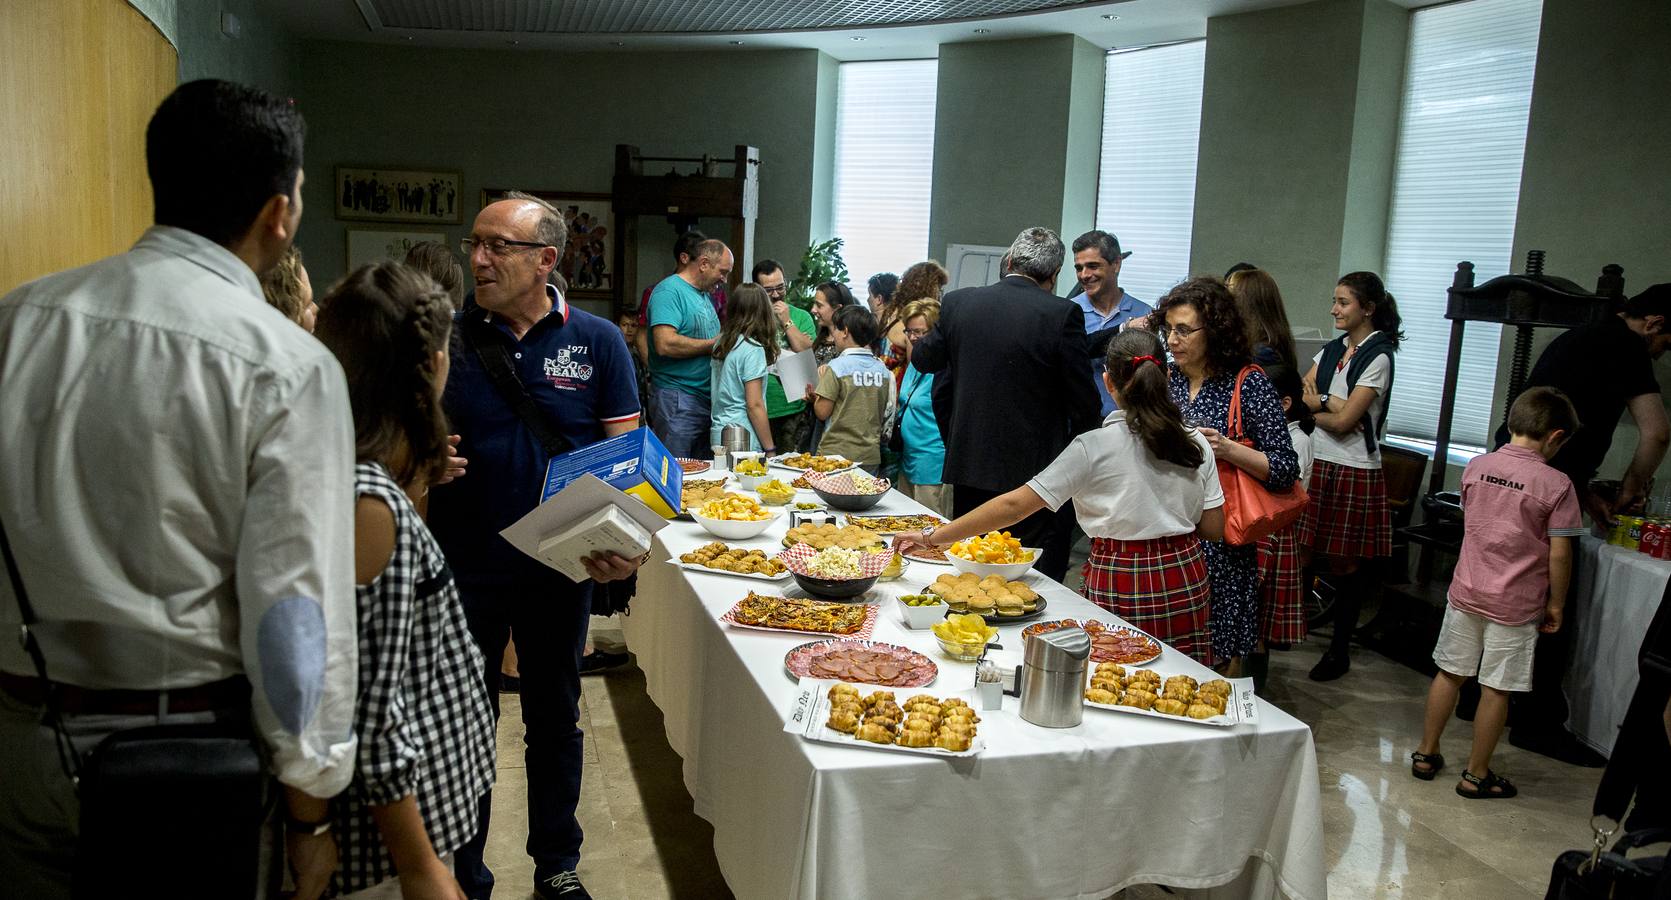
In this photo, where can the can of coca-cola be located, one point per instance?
(1652, 541)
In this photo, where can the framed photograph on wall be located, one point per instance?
(368, 245)
(587, 263)
(397, 195)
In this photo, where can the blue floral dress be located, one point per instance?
(1233, 571)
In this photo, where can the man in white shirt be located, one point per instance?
(178, 494)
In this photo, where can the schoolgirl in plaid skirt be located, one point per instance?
(425, 731)
(1347, 523)
(1282, 617)
(1143, 487)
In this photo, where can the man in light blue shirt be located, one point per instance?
(683, 326)
(1096, 264)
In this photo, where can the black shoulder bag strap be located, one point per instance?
(67, 756)
(496, 361)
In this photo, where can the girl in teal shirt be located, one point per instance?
(746, 346)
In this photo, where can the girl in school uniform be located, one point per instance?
(1281, 594)
(1144, 487)
(1347, 523)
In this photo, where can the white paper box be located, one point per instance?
(608, 530)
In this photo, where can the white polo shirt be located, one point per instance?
(1120, 490)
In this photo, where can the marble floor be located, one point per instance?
(1388, 835)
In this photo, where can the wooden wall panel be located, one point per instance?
(80, 80)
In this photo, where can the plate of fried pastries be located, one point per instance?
(1181, 698)
(795, 615)
(890, 525)
(807, 462)
(825, 534)
(718, 558)
(857, 715)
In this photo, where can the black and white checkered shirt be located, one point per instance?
(421, 714)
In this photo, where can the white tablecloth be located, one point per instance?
(1619, 591)
(1078, 812)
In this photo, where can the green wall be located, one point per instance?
(1299, 111)
(550, 121)
(262, 55)
(1015, 143)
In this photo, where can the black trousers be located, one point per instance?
(1545, 708)
(1051, 532)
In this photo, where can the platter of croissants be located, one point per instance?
(1181, 698)
(837, 712)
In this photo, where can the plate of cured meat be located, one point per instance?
(867, 662)
(694, 466)
(1109, 643)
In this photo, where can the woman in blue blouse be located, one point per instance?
(924, 449)
(1207, 338)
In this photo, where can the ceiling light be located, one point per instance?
(736, 43)
(513, 43)
(983, 31)
(857, 38)
(1110, 17)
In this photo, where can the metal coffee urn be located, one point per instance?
(1053, 678)
(735, 439)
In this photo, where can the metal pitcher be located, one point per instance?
(1053, 677)
(735, 439)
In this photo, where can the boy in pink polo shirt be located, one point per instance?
(1522, 519)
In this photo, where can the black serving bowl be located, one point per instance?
(833, 588)
(850, 502)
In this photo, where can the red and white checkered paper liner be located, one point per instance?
(842, 483)
(800, 555)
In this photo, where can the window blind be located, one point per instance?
(884, 165)
(1151, 126)
(1456, 185)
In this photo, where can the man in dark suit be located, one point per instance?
(1013, 387)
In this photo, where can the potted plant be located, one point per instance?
(820, 263)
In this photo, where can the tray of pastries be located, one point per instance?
(697, 491)
(800, 616)
(808, 462)
(824, 534)
(895, 524)
(838, 712)
(1181, 698)
(993, 597)
(717, 558)
(1109, 643)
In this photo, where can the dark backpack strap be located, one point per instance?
(496, 361)
(68, 758)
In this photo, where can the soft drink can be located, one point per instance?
(1633, 532)
(1653, 539)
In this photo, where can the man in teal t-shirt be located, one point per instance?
(683, 326)
(790, 423)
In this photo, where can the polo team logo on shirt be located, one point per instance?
(568, 372)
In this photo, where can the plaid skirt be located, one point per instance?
(1347, 516)
(1158, 585)
(1281, 589)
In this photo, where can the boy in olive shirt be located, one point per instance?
(855, 392)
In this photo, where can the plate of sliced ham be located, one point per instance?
(867, 662)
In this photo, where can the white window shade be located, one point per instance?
(1151, 126)
(884, 165)
(1456, 185)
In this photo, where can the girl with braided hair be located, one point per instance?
(425, 730)
(1145, 489)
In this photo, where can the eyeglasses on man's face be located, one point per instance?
(776, 292)
(496, 246)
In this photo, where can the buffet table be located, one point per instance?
(1619, 590)
(1078, 812)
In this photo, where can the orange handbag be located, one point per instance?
(1251, 510)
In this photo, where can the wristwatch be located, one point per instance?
(1323, 402)
(928, 534)
(311, 829)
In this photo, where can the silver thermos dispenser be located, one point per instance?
(735, 439)
(1053, 677)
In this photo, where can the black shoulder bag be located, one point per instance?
(496, 362)
(182, 806)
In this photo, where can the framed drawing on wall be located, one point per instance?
(368, 245)
(587, 260)
(396, 195)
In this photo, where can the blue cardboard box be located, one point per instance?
(634, 463)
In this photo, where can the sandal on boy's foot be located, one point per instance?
(1433, 761)
(1491, 787)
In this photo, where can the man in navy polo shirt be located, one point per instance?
(578, 371)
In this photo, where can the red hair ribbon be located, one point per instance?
(1139, 360)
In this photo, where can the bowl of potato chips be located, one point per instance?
(733, 517)
(964, 637)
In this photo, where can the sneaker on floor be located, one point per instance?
(598, 660)
(562, 886)
(1330, 667)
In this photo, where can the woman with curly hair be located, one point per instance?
(1347, 522)
(288, 290)
(1208, 340)
(923, 281)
